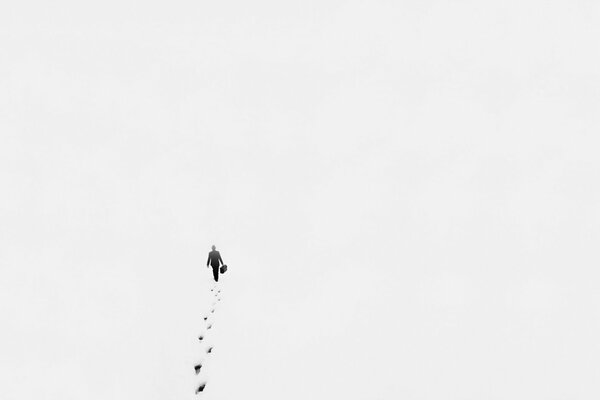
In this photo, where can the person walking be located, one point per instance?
(214, 258)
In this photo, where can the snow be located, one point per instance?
(406, 195)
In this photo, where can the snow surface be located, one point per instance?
(406, 194)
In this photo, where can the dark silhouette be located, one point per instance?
(201, 387)
(197, 368)
(215, 260)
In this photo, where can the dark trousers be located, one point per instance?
(216, 273)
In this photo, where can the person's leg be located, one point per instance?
(216, 273)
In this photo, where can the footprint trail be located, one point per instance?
(204, 337)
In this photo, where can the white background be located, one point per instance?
(406, 193)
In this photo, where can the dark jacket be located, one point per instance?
(214, 257)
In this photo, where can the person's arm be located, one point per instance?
(208, 261)
(220, 259)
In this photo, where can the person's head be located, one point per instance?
(214, 247)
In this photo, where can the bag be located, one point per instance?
(223, 268)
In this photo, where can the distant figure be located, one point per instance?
(214, 258)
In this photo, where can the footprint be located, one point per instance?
(205, 318)
(212, 311)
(200, 337)
(201, 387)
(208, 327)
(209, 350)
(197, 368)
